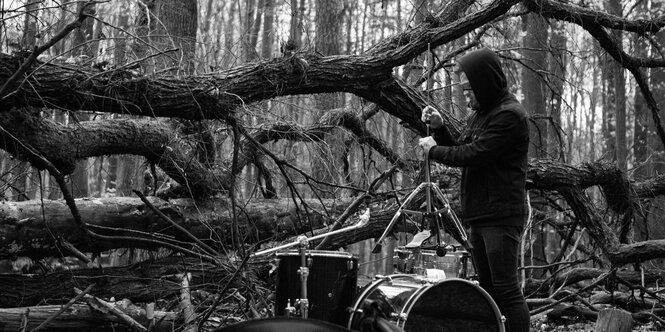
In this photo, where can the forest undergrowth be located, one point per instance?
(543, 324)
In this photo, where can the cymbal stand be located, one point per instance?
(298, 241)
(429, 187)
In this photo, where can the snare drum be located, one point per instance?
(424, 262)
(416, 305)
(331, 284)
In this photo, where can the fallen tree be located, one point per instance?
(129, 222)
(141, 282)
(82, 317)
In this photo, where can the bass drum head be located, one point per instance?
(385, 297)
(452, 305)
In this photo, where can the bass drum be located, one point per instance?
(331, 284)
(416, 305)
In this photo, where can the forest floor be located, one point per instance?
(542, 324)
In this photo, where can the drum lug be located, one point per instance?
(399, 317)
(289, 311)
(349, 265)
(303, 272)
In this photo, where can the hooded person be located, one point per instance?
(492, 151)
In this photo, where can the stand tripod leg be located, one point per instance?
(457, 227)
(391, 224)
(456, 223)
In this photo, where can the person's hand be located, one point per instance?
(427, 143)
(431, 116)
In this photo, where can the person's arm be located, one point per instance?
(442, 137)
(502, 132)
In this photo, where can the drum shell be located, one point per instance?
(455, 264)
(331, 283)
(389, 295)
(416, 306)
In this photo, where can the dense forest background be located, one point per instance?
(149, 147)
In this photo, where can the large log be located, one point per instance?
(141, 282)
(24, 231)
(625, 300)
(217, 94)
(603, 235)
(566, 310)
(650, 277)
(80, 317)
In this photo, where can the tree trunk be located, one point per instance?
(535, 60)
(558, 64)
(614, 320)
(619, 102)
(250, 20)
(641, 112)
(651, 278)
(655, 164)
(327, 154)
(268, 29)
(228, 59)
(83, 35)
(173, 27)
(29, 38)
(83, 50)
(641, 136)
(129, 223)
(80, 317)
(296, 24)
(535, 32)
(656, 158)
(141, 282)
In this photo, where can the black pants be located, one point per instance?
(495, 254)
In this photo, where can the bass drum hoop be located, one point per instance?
(413, 299)
(417, 280)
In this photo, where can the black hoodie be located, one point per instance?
(493, 147)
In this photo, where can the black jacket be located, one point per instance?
(493, 147)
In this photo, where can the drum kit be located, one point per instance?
(432, 288)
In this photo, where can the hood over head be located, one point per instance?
(483, 69)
